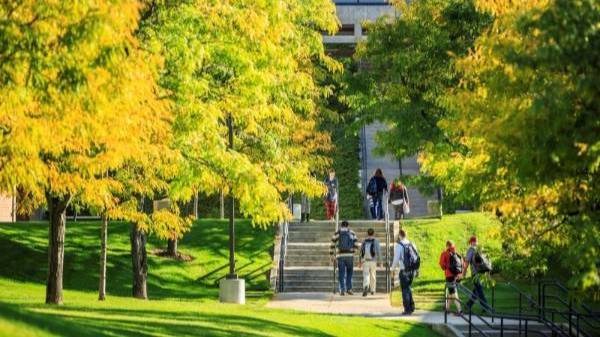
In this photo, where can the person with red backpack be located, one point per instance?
(453, 266)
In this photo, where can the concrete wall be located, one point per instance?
(6, 208)
(357, 15)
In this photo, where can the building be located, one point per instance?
(352, 15)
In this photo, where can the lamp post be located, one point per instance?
(232, 274)
(232, 289)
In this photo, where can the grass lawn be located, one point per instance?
(430, 236)
(182, 294)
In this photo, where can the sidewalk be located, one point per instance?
(378, 306)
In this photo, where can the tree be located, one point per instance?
(527, 111)
(257, 63)
(78, 98)
(404, 70)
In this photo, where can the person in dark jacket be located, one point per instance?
(376, 188)
(399, 199)
(344, 245)
(478, 293)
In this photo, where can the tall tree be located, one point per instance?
(78, 98)
(258, 63)
(404, 70)
(528, 112)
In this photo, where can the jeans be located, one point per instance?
(406, 279)
(377, 210)
(345, 269)
(477, 294)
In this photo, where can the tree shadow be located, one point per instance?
(101, 322)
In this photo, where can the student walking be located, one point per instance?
(305, 208)
(452, 264)
(406, 257)
(480, 265)
(399, 199)
(343, 246)
(370, 258)
(376, 188)
(331, 198)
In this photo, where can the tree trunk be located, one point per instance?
(172, 248)
(57, 207)
(196, 205)
(103, 247)
(222, 204)
(139, 262)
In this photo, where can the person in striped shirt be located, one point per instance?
(344, 245)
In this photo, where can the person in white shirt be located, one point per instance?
(370, 257)
(406, 258)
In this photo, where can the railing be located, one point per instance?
(337, 227)
(576, 321)
(363, 149)
(283, 250)
(556, 331)
(388, 284)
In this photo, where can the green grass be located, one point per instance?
(183, 295)
(431, 235)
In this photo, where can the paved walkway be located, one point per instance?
(370, 306)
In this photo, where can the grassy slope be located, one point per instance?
(430, 236)
(183, 295)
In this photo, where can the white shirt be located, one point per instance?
(399, 254)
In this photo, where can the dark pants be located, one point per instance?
(345, 269)
(377, 210)
(406, 279)
(477, 294)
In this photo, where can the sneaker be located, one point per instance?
(365, 292)
(406, 313)
(342, 293)
(349, 292)
(372, 293)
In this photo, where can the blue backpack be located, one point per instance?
(372, 187)
(412, 260)
(345, 242)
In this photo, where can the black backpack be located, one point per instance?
(371, 248)
(481, 262)
(372, 187)
(412, 260)
(456, 264)
(345, 242)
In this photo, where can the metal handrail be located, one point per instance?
(283, 249)
(526, 318)
(567, 315)
(388, 285)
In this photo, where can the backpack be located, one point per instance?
(372, 187)
(371, 243)
(481, 262)
(456, 264)
(412, 260)
(345, 242)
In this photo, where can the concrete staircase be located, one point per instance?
(308, 267)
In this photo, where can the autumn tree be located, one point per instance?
(78, 99)
(256, 64)
(528, 112)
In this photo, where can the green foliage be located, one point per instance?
(503, 113)
(256, 64)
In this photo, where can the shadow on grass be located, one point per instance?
(86, 322)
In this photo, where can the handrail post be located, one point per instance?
(520, 312)
(445, 304)
(387, 245)
(493, 301)
(470, 321)
(501, 326)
